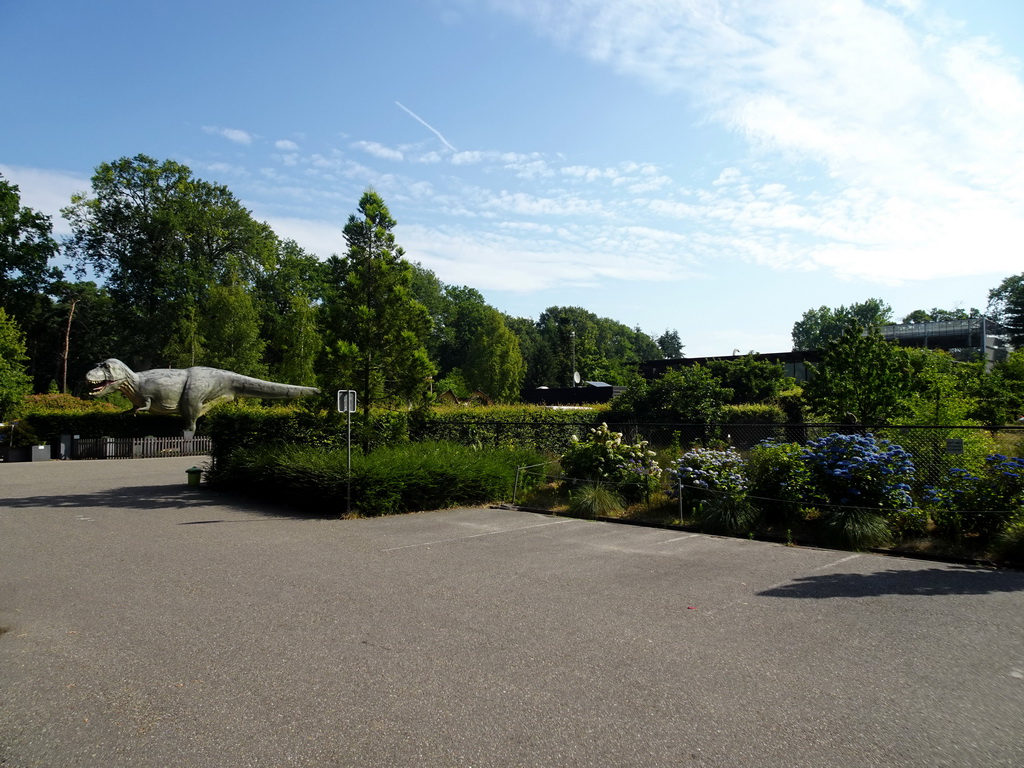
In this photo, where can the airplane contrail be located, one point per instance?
(427, 125)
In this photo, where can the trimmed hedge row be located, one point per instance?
(239, 426)
(391, 480)
(243, 424)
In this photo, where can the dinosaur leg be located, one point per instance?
(191, 412)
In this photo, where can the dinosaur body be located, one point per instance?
(190, 392)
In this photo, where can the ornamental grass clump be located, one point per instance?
(857, 479)
(712, 485)
(593, 500)
(602, 458)
(981, 505)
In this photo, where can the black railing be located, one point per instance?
(139, 447)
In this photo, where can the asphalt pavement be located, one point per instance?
(147, 623)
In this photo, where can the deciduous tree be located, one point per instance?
(1006, 305)
(818, 327)
(686, 395)
(495, 365)
(15, 382)
(161, 239)
(861, 375)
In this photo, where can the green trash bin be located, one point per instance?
(195, 474)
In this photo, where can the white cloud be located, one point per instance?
(46, 191)
(519, 263)
(467, 158)
(231, 134)
(917, 131)
(322, 238)
(378, 150)
(286, 145)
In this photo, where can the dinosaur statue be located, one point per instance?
(190, 392)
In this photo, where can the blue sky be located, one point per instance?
(713, 166)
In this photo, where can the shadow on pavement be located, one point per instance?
(927, 583)
(133, 497)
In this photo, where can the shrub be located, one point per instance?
(604, 458)
(713, 485)
(505, 426)
(727, 514)
(978, 504)
(855, 528)
(402, 478)
(1009, 543)
(779, 479)
(56, 402)
(858, 477)
(859, 470)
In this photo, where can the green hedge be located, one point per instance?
(753, 414)
(504, 426)
(49, 426)
(395, 479)
(239, 425)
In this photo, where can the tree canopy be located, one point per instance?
(861, 377)
(1006, 305)
(185, 275)
(15, 382)
(376, 330)
(819, 327)
(162, 239)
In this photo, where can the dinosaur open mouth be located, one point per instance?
(102, 386)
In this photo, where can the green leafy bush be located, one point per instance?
(603, 458)
(779, 479)
(506, 426)
(394, 479)
(979, 504)
(713, 485)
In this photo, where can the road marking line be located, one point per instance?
(680, 538)
(837, 562)
(478, 535)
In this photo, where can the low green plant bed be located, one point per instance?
(403, 478)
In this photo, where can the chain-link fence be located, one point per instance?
(935, 449)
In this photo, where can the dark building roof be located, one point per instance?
(590, 395)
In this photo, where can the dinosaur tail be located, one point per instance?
(247, 386)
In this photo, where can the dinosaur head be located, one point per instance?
(107, 376)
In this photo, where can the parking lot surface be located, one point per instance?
(146, 623)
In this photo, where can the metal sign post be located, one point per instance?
(347, 405)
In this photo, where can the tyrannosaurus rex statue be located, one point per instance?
(190, 392)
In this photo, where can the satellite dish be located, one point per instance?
(576, 377)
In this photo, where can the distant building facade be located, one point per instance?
(974, 338)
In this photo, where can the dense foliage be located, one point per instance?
(820, 327)
(979, 503)
(14, 382)
(602, 457)
(189, 277)
(403, 478)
